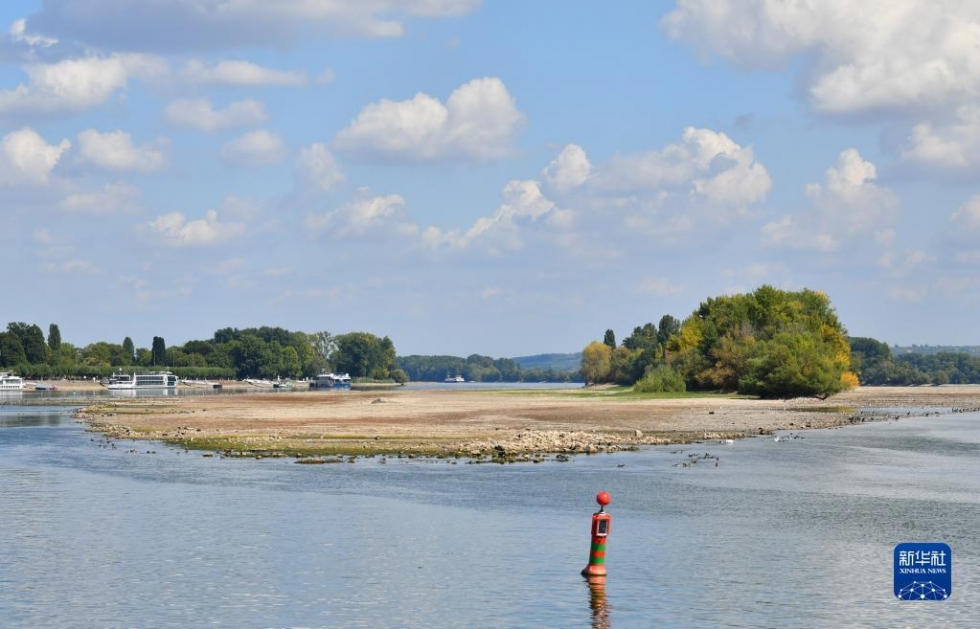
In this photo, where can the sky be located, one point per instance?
(485, 176)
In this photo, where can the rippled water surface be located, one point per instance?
(794, 533)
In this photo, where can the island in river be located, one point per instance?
(506, 425)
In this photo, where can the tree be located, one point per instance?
(291, 367)
(596, 359)
(610, 339)
(252, 355)
(54, 338)
(11, 350)
(129, 350)
(34, 346)
(621, 366)
(642, 338)
(158, 352)
(668, 327)
(771, 343)
(31, 341)
(364, 355)
(144, 357)
(98, 354)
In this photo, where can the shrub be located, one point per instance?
(661, 379)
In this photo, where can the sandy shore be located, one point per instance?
(504, 425)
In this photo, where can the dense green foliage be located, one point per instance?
(661, 379)
(771, 343)
(364, 355)
(54, 338)
(265, 352)
(250, 353)
(876, 364)
(477, 368)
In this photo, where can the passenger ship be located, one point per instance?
(123, 381)
(331, 381)
(10, 382)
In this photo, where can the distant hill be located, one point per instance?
(557, 362)
(972, 350)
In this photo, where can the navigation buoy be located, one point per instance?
(601, 523)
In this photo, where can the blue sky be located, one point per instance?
(492, 177)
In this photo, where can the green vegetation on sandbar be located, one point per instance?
(769, 343)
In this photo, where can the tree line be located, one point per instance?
(876, 364)
(770, 343)
(265, 352)
(477, 368)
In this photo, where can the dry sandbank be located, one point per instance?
(498, 424)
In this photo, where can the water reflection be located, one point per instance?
(598, 604)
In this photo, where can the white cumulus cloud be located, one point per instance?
(76, 84)
(847, 206)
(27, 158)
(235, 73)
(200, 114)
(255, 148)
(707, 163)
(523, 204)
(360, 216)
(478, 121)
(318, 168)
(952, 147)
(177, 231)
(569, 170)
(115, 151)
(874, 55)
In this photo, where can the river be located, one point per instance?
(795, 533)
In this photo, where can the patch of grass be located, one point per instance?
(252, 446)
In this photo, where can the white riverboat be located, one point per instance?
(331, 381)
(10, 382)
(142, 381)
(454, 379)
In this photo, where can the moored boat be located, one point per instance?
(125, 381)
(10, 382)
(331, 381)
(454, 379)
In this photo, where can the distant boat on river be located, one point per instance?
(454, 379)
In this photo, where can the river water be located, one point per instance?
(792, 533)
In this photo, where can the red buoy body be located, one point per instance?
(601, 525)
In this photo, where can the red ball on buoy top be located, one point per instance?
(603, 498)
